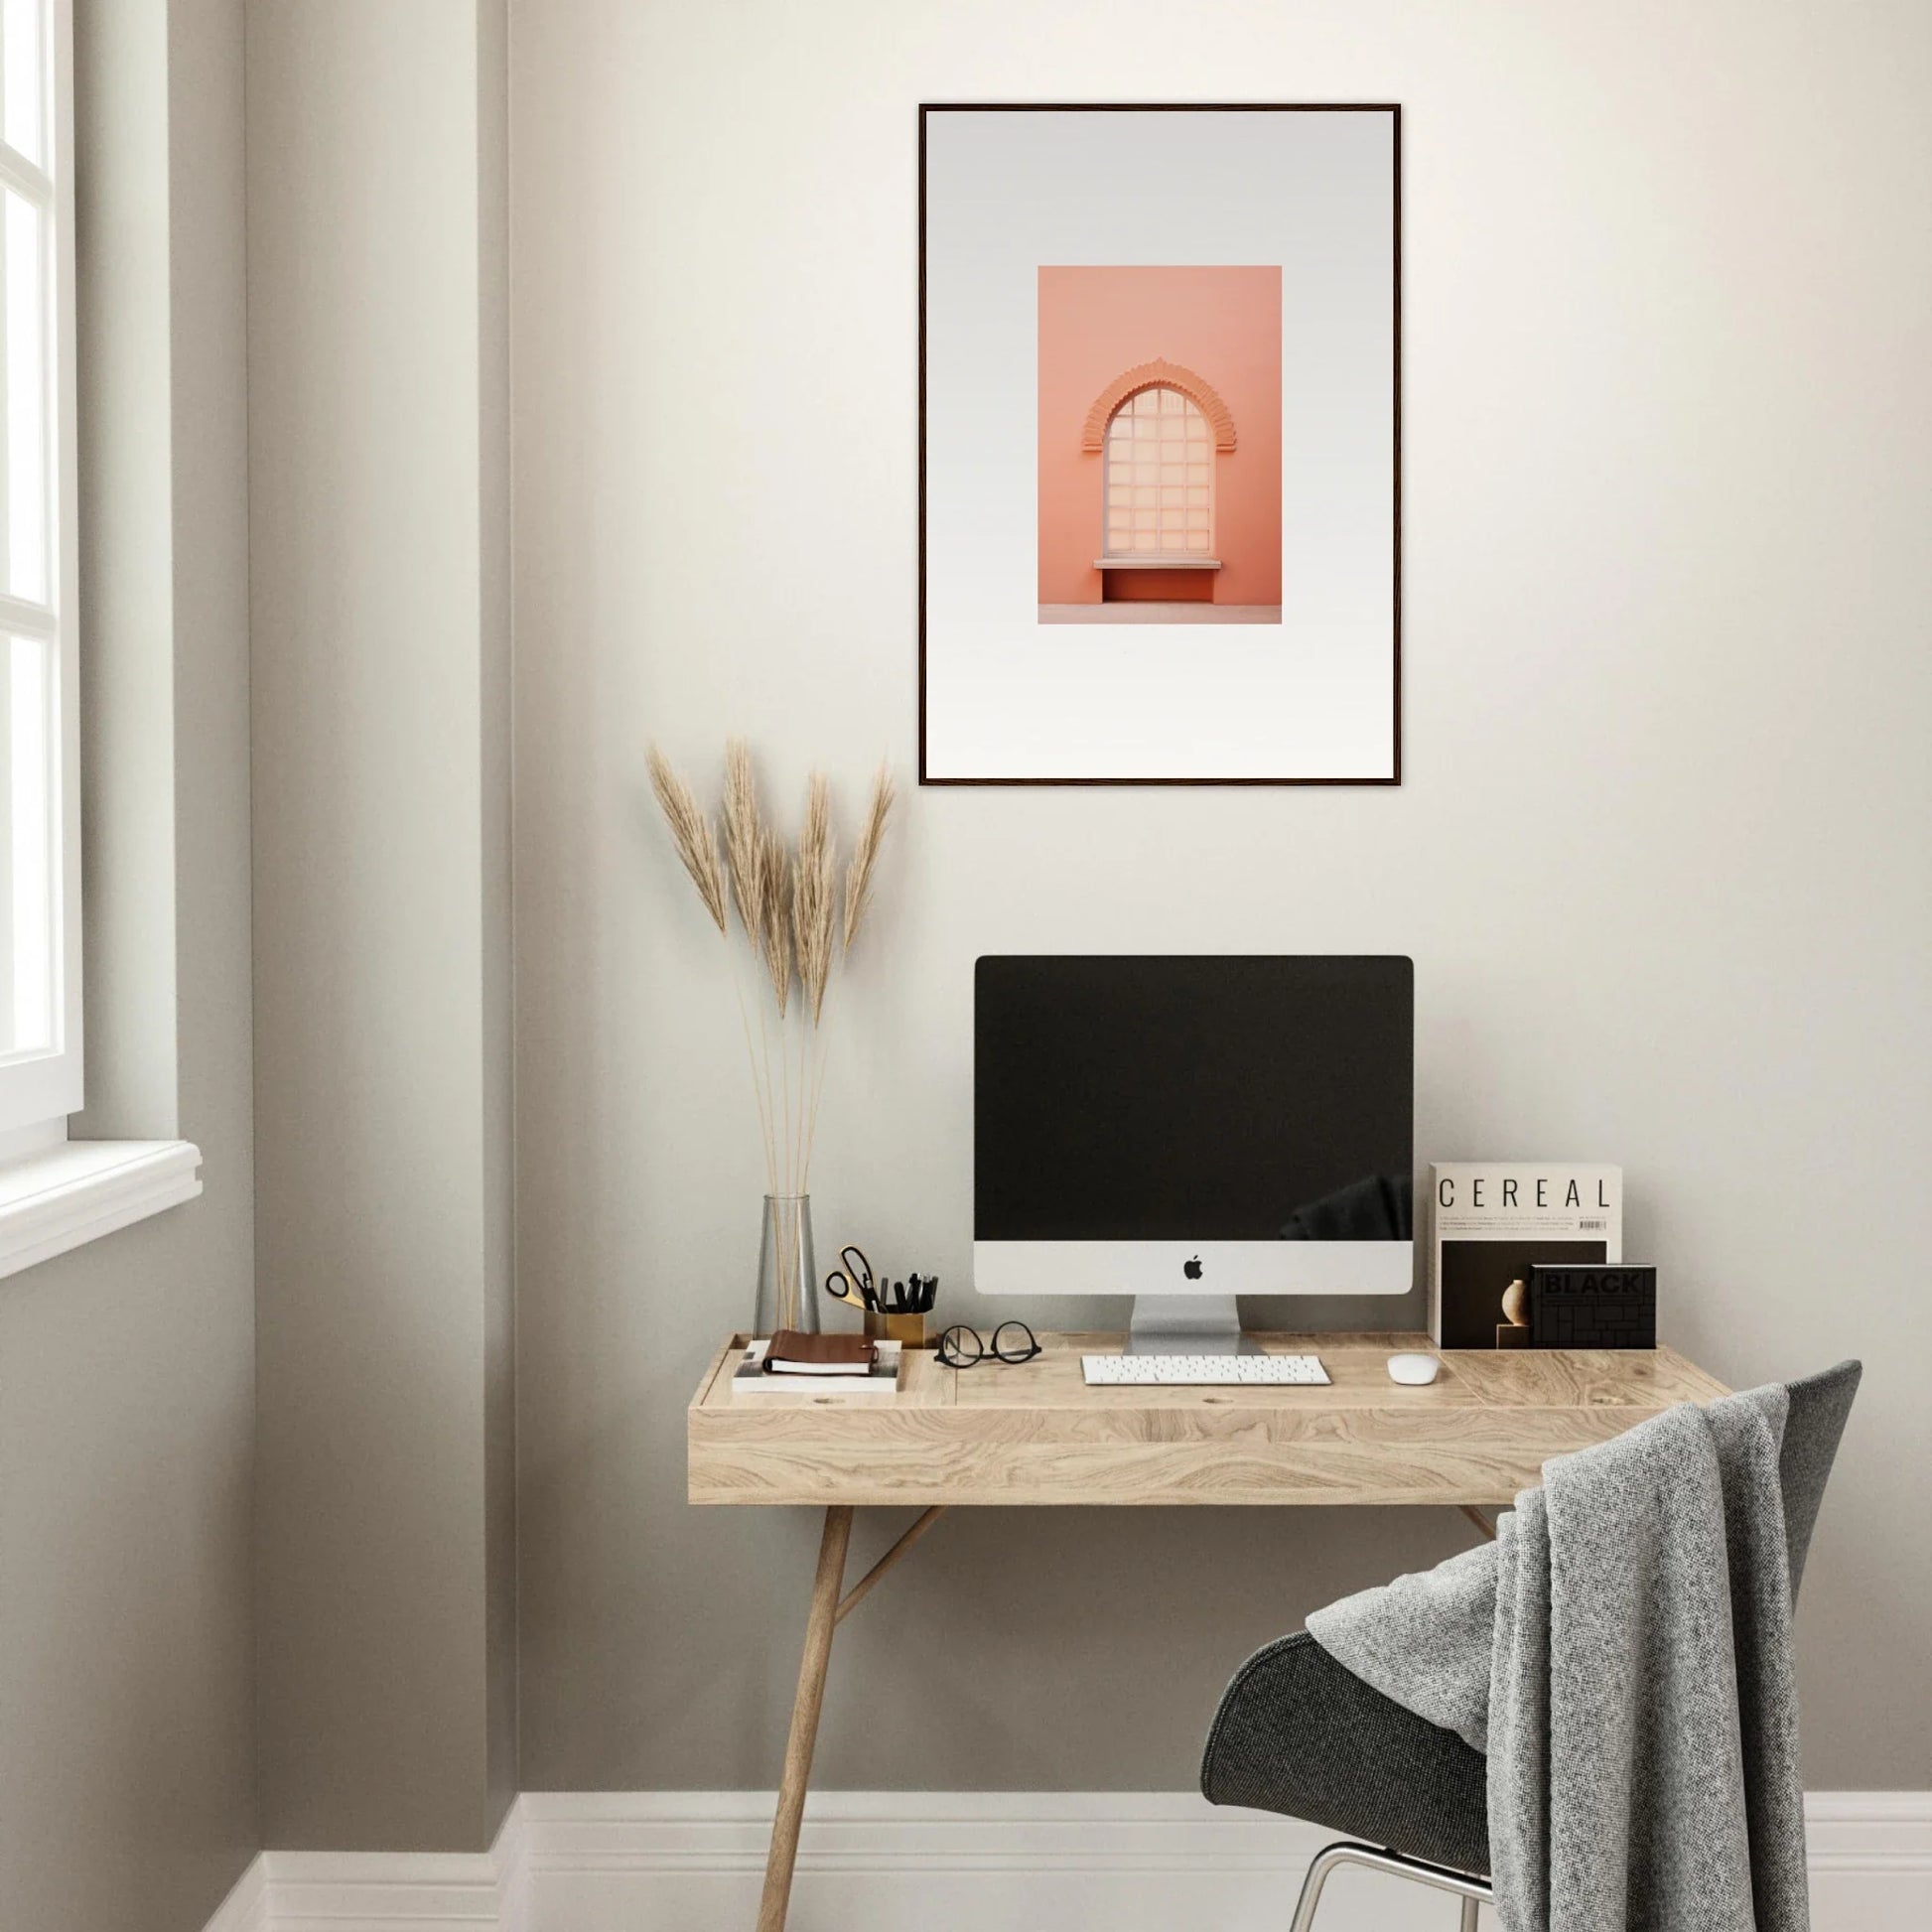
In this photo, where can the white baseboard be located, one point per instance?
(954, 1861)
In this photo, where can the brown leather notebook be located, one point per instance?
(793, 1353)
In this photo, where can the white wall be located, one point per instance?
(1660, 853)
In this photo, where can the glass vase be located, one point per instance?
(787, 1272)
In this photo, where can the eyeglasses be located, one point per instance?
(1012, 1342)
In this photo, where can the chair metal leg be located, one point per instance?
(1324, 1862)
(1473, 1892)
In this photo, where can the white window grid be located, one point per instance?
(40, 846)
(1160, 481)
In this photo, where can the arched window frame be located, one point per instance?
(1094, 434)
(1158, 481)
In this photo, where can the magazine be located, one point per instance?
(1489, 1220)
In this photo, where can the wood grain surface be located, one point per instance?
(1035, 1434)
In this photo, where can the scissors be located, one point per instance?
(852, 1280)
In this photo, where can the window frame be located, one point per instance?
(40, 1090)
(57, 1193)
(1197, 437)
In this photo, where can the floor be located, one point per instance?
(1153, 612)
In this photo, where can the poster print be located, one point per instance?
(1158, 445)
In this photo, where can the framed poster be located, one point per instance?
(1160, 445)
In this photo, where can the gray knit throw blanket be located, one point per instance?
(1622, 1652)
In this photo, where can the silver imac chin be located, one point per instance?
(1184, 1294)
(1187, 1128)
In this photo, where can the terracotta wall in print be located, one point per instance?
(1225, 324)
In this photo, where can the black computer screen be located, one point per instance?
(1192, 1098)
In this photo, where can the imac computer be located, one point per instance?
(1186, 1129)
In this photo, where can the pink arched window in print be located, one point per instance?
(1159, 477)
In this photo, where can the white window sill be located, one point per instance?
(78, 1191)
(1152, 560)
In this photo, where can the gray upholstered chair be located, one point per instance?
(1300, 1735)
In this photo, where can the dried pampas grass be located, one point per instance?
(865, 855)
(691, 833)
(787, 902)
(744, 840)
(775, 873)
(814, 897)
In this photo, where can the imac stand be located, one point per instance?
(1188, 1324)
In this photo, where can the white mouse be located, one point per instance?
(1413, 1369)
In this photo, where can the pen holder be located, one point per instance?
(908, 1329)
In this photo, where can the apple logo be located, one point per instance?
(1191, 1269)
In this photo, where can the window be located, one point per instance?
(1159, 477)
(55, 1192)
(39, 977)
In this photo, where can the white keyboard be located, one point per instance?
(1202, 1371)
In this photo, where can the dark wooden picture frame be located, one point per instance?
(927, 110)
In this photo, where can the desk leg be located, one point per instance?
(824, 1615)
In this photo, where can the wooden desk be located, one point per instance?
(1034, 1434)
